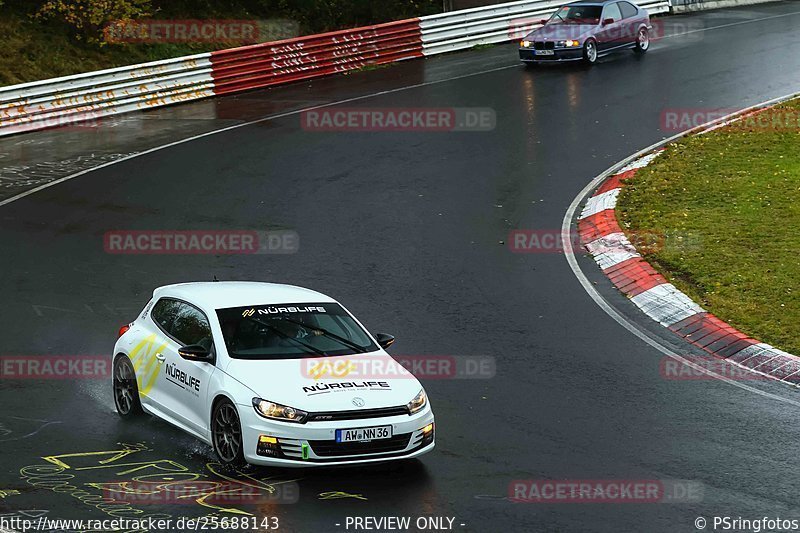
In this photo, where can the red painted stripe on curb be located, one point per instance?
(730, 351)
(615, 182)
(713, 335)
(598, 225)
(634, 276)
(730, 343)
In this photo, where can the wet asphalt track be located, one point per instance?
(405, 229)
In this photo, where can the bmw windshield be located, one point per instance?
(577, 15)
(292, 331)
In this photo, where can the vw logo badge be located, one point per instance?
(358, 402)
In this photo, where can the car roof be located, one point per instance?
(212, 295)
(593, 3)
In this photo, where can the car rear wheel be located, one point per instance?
(126, 389)
(226, 434)
(590, 51)
(642, 41)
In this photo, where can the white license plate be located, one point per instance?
(544, 52)
(363, 434)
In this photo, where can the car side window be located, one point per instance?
(612, 12)
(628, 10)
(191, 326)
(164, 312)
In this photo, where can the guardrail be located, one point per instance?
(60, 101)
(71, 99)
(263, 65)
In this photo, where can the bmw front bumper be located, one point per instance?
(314, 443)
(528, 55)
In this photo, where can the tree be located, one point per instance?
(89, 17)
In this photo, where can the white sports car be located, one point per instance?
(270, 374)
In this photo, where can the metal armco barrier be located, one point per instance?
(62, 101)
(263, 65)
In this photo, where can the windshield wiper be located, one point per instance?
(285, 336)
(351, 344)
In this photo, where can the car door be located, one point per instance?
(185, 383)
(611, 34)
(629, 21)
(147, 355)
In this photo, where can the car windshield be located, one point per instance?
(577, 15)
(292, 331)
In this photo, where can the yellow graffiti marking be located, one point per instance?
(165, 477)
(338, 495)
(8, 492)
(258, 484)
(143, 357)
(115, 455)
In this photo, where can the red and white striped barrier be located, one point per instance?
(63, 101)
(602, 236)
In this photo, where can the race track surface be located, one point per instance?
(407, 229)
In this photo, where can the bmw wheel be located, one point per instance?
(642, 41)
(226, 433)
(126, 389)
(590, 51)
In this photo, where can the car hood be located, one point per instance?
(342, 383)
(561, 32)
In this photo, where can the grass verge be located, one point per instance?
(728, 203)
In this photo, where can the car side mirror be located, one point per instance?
(195, 352)
(384, 339)
(606, 22)
(543, 22)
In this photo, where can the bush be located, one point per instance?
(89, 17)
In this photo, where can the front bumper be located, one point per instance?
(314, 443)
(528, 55)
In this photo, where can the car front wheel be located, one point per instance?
(642, 41)
(590, 51)
(226, 434)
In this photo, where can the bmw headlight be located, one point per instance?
(418, 403)
(525, 44)
(277, 411)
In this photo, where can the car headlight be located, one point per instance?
(570, 43)
(525, 44)
(418, 403)
(277, 411)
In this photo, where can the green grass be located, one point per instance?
(729, 202)
(33, 51)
